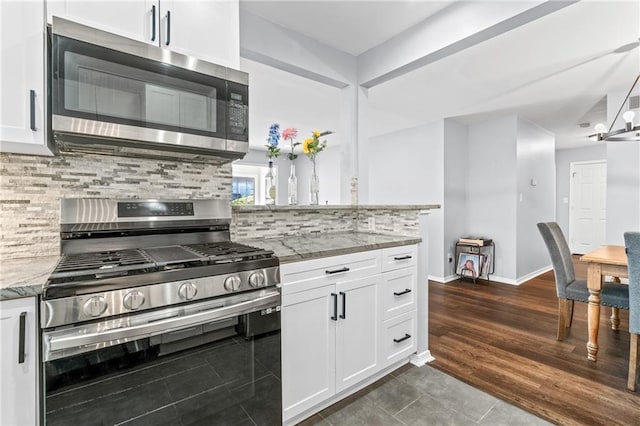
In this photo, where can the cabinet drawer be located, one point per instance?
(399, 257)
(399, 338)
(301, 276)
(398, 292)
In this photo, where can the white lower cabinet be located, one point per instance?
(308, 355)
(18, 362)
(340, 326)
(398, 339)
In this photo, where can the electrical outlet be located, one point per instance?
(372, 224)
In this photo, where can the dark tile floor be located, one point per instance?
(422, 396)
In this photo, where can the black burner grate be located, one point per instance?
(229, 252)
(74, 265)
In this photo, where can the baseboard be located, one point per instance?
(421, 359)
(443, 280)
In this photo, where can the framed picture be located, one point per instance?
(469, 264)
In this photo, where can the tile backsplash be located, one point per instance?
(31, 188)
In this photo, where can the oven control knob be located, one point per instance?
(95, 306)
(187, 291)
(232, 283)
(133, 300)
(256, 280)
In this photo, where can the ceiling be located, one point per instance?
(554, 71)
(351, 26)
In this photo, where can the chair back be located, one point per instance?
(560, 256)
(632, 244)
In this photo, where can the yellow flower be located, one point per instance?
(316, 133)
(306, 145)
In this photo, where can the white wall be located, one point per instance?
(454, 206)
(407, 167)
(564, 158)
(492, 189)
(535, 161)
(623, 180)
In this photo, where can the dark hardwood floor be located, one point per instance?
(502, 339)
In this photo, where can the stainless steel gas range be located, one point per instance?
(153, 316)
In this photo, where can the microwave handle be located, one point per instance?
(153, 23)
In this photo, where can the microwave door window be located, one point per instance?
(99, 86)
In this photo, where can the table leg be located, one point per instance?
(594, 282)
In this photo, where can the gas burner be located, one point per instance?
(228, 252)
(100, 264)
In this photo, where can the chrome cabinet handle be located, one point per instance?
(334, 317)
(344, 305)
(406, 290)
(153, 23)
(168, 41)
(21, 337)
(402, 339)
(32, 109)
(336, 271)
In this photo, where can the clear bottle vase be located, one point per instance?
(293, 186)
(270, 185)
(314, 186)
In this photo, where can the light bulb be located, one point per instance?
(628, 116)
(600, 128)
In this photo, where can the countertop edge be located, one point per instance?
(347, 250)
(284, 208)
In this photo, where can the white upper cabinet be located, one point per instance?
(208, 30)
(22, 88)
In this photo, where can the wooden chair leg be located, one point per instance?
(562, 318)
(615, 318)
(633, 362)
(570, 304)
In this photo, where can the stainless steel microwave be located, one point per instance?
(113, 95)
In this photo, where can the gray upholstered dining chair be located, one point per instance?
(632, 244)
(570, 289)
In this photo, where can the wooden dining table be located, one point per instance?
(604, 261)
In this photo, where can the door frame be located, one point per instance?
(572, 166)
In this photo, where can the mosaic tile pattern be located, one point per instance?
(274, 224)
(31, 187)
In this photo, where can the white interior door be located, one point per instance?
(588, 206)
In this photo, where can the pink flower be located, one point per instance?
(290, 133)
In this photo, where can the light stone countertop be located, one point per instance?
(25, 277)
(304, 247)
(285, 208)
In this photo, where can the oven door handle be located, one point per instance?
(76, 338)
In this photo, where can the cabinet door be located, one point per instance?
(22, 94)
(132, 18)
(208, 30)
(18, 362)
(308, 349)
(357, 331)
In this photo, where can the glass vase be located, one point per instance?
(270, 185)
(314, 186)
(293, 186)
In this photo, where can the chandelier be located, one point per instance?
(630, 132)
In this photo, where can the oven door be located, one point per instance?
(213, 362)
